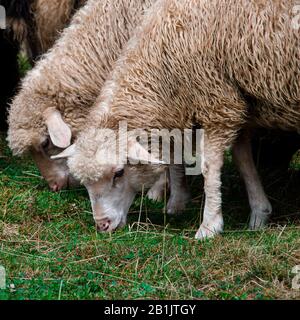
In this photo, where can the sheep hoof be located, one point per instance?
(258, 222)
(205, 232)
(260, 216)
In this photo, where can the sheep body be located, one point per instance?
(32, 25)
(69, 77)
(67, 81)
(37, 23)
(51, 17)
(18, 16)
(198, 62)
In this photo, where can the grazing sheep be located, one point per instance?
(17, 17)
(38, 23)
(53, 102)
(224, 65)
(29, 23)
(51, 17)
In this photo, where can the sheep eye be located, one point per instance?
(119, 174)
(46, 143)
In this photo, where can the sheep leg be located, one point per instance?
(157, 191)
(212, 163)
(259, 203)
(179, 193)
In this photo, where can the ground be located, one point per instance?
(51, 250)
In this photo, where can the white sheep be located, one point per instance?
(191, 62)
(55, 96)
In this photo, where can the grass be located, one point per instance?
(50, 249)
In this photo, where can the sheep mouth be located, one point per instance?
(106, 226)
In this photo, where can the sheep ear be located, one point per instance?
(137, 153)
(60, 133)
(69, 152)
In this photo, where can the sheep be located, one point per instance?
(30, 24)
(18, 17)
(51, 17)
(55, 96)
(37, 23)
(224, 65)
(40, 23)
(17, 14)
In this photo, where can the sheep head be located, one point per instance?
(110, 177)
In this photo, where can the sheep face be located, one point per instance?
(112, 195)
(111, 198)
(46, 135)
(111, 185)
(55, 172)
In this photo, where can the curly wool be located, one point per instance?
(219, 64)
(69, 77)
(51, 17)
(18, 16)
(37, 23)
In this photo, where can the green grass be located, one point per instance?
(50, 249)
(24, 64)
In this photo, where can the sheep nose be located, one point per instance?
(54, 187)
(103, 225)
(58, 185)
